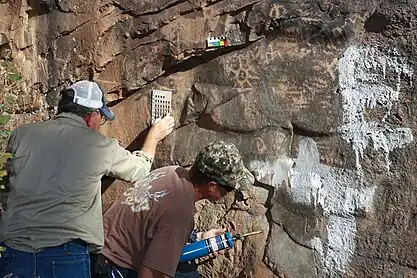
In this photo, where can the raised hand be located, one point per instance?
(161, 128)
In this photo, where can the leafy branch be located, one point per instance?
(9, 85)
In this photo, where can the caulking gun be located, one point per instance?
(211, 245)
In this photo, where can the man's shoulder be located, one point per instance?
(34, 125)
(175, 182)
(171, 169)
(168, 175)
(165, 185)
(53, 126)
(29, 127)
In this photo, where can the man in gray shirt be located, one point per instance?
(52, 212)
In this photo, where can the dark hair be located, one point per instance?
(66, 104)
(199, 178)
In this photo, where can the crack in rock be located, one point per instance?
(69, 32)
(151, 11)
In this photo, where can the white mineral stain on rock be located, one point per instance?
(340, 193)
(363, 73)
(274, 172)
(340, 247)
(337, 191)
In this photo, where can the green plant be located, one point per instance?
(9, 84)
(4, 135)
(9, 78)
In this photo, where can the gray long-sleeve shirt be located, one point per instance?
(55, 183)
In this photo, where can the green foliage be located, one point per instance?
(9, 85)
(4, 119)
(13, 77)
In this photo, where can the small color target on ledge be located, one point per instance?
(216, 42)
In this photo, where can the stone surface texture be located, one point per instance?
(318, 95)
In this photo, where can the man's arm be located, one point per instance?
(132, 166)
(129, 166)
(11, 149)
(11, 141)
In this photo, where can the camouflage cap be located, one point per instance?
(223, 163)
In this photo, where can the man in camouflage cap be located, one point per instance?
(146, 228)
(223, 163)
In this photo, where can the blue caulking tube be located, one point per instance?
(207, 246)
(211, 245)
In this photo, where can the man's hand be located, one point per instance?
(211, 233)
(161, 128)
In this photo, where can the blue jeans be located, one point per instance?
(69, 260)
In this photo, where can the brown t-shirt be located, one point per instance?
(150, 223)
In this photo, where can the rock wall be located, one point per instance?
(318, 95)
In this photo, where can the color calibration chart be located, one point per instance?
(216, 42)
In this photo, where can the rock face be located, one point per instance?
(318, 95)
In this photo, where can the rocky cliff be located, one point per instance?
(318, 95)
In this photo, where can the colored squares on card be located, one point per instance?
(215, 42)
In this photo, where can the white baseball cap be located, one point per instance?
(90, 94)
